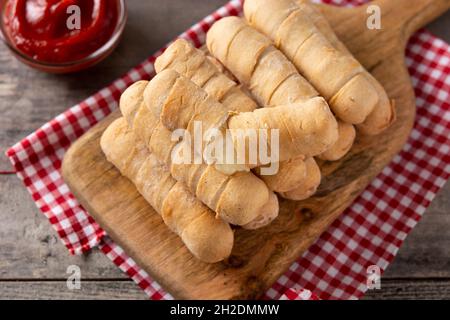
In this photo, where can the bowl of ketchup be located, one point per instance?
(62, 36)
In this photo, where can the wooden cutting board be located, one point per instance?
(260, 257)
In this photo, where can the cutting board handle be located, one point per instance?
(410, 15)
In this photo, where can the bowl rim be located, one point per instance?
(97, 54)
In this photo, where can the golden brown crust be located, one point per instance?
(347, 133)
(269, 213)
(310, 184)
(290, 175)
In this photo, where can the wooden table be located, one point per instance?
(33, 262)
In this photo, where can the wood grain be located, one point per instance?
(393, 289)
(411, 289)
(259, 257)
(31, 249)
(57, 290)
(33, 261)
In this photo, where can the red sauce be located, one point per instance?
(39, 29)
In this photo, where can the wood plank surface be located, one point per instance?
(57, 290)
(31, 249)
(393, 289)
(411, 289)
(24, 107)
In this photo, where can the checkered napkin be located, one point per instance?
(369, 233)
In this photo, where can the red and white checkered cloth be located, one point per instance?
(370, 232)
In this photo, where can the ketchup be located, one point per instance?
(39, 28)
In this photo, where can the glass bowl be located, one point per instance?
(71, 66)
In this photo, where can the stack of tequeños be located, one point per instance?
(282, 69)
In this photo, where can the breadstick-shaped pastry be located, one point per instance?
(267, 215)
(384, 113)
(347, 135)
(338, 76)
(240, 199)
(291, 174)
(207, 238)
(382, 117)
(310, 184)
